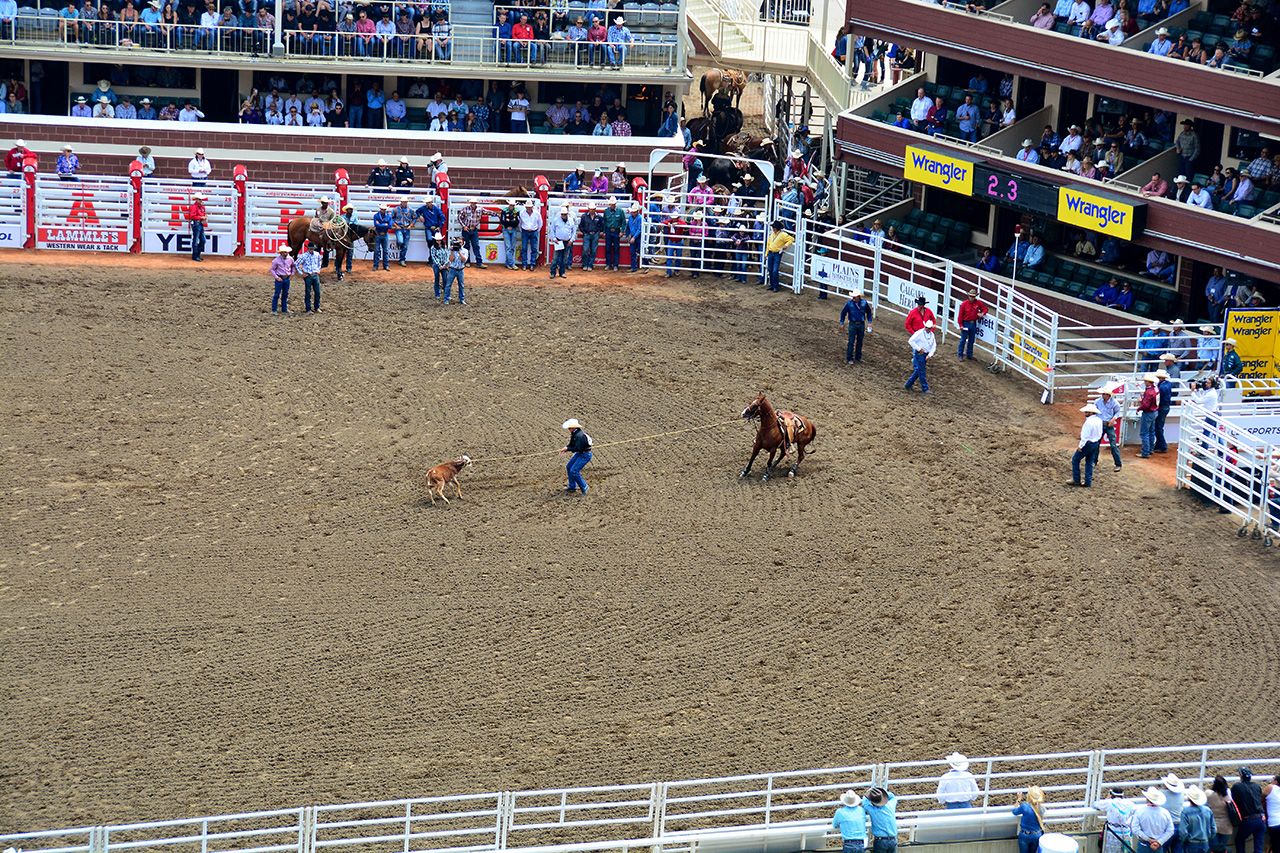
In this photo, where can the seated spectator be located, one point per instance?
(1128, 24)
(1073, 163)
(1018, 251)
(1079, 12)
(1009, 115)
(936, 119)
(1027, 153)
(1157, 187)
(249, 114)
(902, 121)
(1240, 48)
(315, 118)
(602, 127)
(579, 126)
(1196, 53)
(558, 115)
(1035, 253)
(978, 84)
(1159, 265)
(1181, 189)
(987, 263)
(1180, 48)
(1261, 169)
(1112, 34)
(1124, 299)
(1086, 245)
(1103, 13)
(1073, 140)
(1088, 170)
(1243, 194)
(190, 113)
(1048, 139)
(1109, 251)
(1114, 160)
(1043, 19)
(1107, 294)
(397, 111)
(1219, 58)
(1090, 31)
(1161, 46)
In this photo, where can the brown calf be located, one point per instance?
(445, 473)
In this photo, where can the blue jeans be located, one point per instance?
(310, 284)
(1147, 430)
(968, 333)
(918, 363)
(450, 276)
(529, 247)
(1174, 844)
(575, 466)
(561, 258)
(775, 270)
(961, 806)
(1029, 839)
(590, 248)
(382, 249)
(1089, 454)
(1161, 414)
(854, 845)
(969, 135)
(402, 243)
(854, 352)
(1110, 432)
(510, 243)
(281, 297)
(675, 250)
(197, 240)
(617, 54)
(635, 253)
(1255, 826)
(355, 115)
(884, 845)
(613, 251)
(440, 274)
(471, 241)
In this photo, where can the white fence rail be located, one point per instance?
(13, 213)
(165, 227)
(1231, 458)
(673, 816)
(269, 208)
(93, 213)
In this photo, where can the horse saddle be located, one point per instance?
(792, 428)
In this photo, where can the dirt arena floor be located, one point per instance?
(224, 589)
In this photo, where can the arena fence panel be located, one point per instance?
(1232, 458)
(270, 207)
(165, 227)
(367, 201)
(13, 213)
(91, 213)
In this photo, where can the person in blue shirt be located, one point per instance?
(1018, 250)
(1031, 826)
(670, 123)
(1215, 294)
(382, 240)
(882, 808)
(1196, 826)
(1165, 388)
(1109, 253)
(969, 116)
(857, 312)
(635, 227)
(1035, 253)
(1124, 301)
(851, 821)
(902, 122)
(988, 262)
(1108, 292)
(432, 218)
(403, 218)
(1150, 345)
(502, 31)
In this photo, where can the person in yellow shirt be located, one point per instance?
(779, 242)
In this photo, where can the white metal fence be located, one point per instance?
(13, 213)
(674, 816)
(93, 213)
(165, 227)
(269, 208)
(1231, 458)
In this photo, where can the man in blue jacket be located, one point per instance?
(382, 239)
(432, 219)
(857, 312)
(580, 446)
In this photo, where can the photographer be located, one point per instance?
(455, 264)
(1205, 393)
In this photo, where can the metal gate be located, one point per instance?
(13, 213)
(269, 208)
(95, 214)
(165, 228)
(367, 200)
(491, 202)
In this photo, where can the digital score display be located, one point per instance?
(1015, 191)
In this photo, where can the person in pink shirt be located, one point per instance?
(596, 35)
(600, 183)
(281, 270)
(1157, 187)
(702, 195)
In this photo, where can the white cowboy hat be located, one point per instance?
(1089, 409)
(1181, 179)
(1197, 796)
(80, 100)
(612, 200)
(67, 148)
(742, 228)
(581, 168)
(1111, 25)
(200, 151)
(635, 207)
(1207, 330)
(622, 165)
(1173, 783)
(145, 101)
(284, 250)
(1177, 323)
(702, 179)
(1162, 373)
(381, 162)
(850, 799)
(796, 154)
(1155, 326)
(1154, 796)
(1162, 32)
(528, 202)
(928, 324)
(324, 199)
(619, 21)
(955, 759)
(383, 206)
(1109, 388)
(591, 205)
(348, 206)
(404, 159)
(104, 100)
(20, 143)
(1228, 341)
(199, 195)
(1150, 377)
(572, 423)
(697, 214)
(1168, 357)
(436, 156)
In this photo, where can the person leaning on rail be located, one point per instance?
(957, 788)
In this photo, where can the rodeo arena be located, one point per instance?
(463, 427)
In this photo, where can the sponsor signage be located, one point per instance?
(901, 292)
(1033, 355)
(179, 243)
(832, 274)
(93, 238)
(935, 169)
(1102, 213)
(986, 323)
(1257, 335)
(10, 236)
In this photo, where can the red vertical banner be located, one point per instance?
(29, 176)
(135, 181)
(341, 181)
(240, 176)
(543, 188)
(442, 190)
(639, 190)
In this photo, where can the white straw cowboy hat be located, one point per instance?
(1109, 388)
(1197, 796)
(591, 205)
(1228, 342)
(1154, 796)
(21, 143)
(702, 179)
(1027, 143)
(381, 162)
(1168, 356)
(69, 148)
(284, 250)
(528, 203)
(201, 196)
(1162, 373)
(955, 759)
(383, 206)
(1150, 377)
(612, 200)
(1089, 409)
(850, 799)
(404, 159)
(436, 157)
(572, 423)
(963, 765)
(1207, 330)
(635, 207)
(200, 151)
(1173, 783)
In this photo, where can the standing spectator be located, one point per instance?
(580, 446)
(851, 821)
(1271, 793)
(1196, 828)
(1231, 366)
(957, 788)
(1090, 441)
(882, 807)
(1218, 799)
(68, 164)
(614, 221)
(469, 221)
(509, 220)
(1118, 829)
(635, 231)
(857, 313)
(404, 177)
(919, 315)
(199, 168)
(779, 242)
(402, 219)
(1247, 795)
(923, 345)
(530, 230)
(969, 116)
(971, 313)
(281, 270)
(561, 233)
(1148, 407)
(437, 169)
(382, 225)
(518, 107)
(374, 99)
(308, 266)
(198, 217)
(920, 110)
(1109, 413)
(591, 224)
(8, 15)
(380, 176)
(455, 270)
(1188, 147)
(1152, 825)
(1165, 390)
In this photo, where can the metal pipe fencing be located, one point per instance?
(1231, 458)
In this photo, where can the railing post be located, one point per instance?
(98, 839)
(658, 813)
(945, 308)
(307, 829)
(768, 801)
(408, 824)
(875, 279)
(29, 187)
(1053, 355)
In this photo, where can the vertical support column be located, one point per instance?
(875, 279)
(944, 309)
(307, 829)
(658, 814)
(135, 183)
(442, 190)
(543, 188)
(29, 178)
(340, 182)
(241, 178)
(277, 47)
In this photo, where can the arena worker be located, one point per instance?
(1109, 412)
(851, 821)
(919, 315)
(1152, 824)
(971, 313)
(1118, 832)
(923, 346)
(580, 446)
(957, 788)
(857, 312)
(1086, 451)
(882, 809)
(281, 270)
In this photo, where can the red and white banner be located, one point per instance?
(166, 228)
(95, 214)
(269, 208)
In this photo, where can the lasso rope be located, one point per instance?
(608, 443)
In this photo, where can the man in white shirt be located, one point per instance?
(923, 346)
(518, 106)
(438, 108)
(1073, 140)
(190, 113)
(1028, 152)
(104, 109)
(1079, 12)
(957, 788)
(561, 233)
(1199, 196)
(274, 116)
(199, 168)
(292, 101)
(1152, 823)
(1090, 442)
(437, 168)
(530, 230)
(920, 110)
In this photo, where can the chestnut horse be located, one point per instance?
(300, 231)
(778, 431)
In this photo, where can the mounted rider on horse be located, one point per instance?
(327, 228)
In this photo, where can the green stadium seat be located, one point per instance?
(1075, 288)
(960, 235)
(930, 221)
(934, 242)
(1142, 308)
(1247, 211)
(1090, 291)
(914, 216)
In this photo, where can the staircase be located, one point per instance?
(473, 16)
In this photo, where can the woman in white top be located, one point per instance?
(1205, 395)
(1010, 115)
(1271, 800)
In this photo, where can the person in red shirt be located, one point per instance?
(197, 216)
(523, 32)
(13, 161)
(1147, 408)
(915, 320)
(675, 229)
(971, 311)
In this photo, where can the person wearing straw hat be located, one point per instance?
(17, 155)
(197, 217)
(881, 807)
(615, 222)
(590, 224)
(1109, 411)
(1196, 827)
(851, 821)
(1031, 823)
(1231, 366)
(1148, 408)
(579, 445)
(635, 231)
(308, 266)
(1164, 387)
(1175, 799)
(970, 315)
(1152, 824)
(199, 168)
(1087, 450)
(923, 346)
(281, 271)
(68, 164)
(1117, 831)
(957, 788)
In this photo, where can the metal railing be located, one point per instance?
(1226, 463)
(671, 816)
